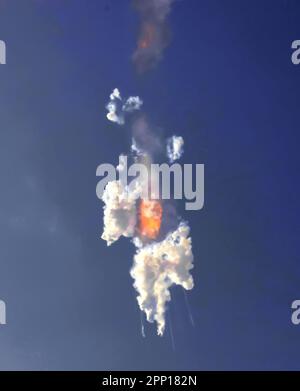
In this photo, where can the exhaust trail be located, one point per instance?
(142, 326)
(188, 308)
(171, 333)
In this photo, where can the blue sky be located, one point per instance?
(228, 86)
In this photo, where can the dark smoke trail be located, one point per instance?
(154, 34)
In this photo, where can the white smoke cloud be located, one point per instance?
(175, 148)
(115, 94)
(113, 114)
(116, 108)
(120, 215)
(133, 103)
(157, 267)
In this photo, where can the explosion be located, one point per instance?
(163, 257)
(150, 215)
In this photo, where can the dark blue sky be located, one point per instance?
(228, 86)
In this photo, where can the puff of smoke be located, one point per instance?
(175, 148)
(133, 103)
(115, 94)
(116, 108)
(154, 32)
(157, 267)
(113, 114)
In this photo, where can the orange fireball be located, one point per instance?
(150, 214)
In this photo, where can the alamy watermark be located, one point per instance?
(296, 313)
(2, 52)
(156, 180)
(296, 53)
(2, 312)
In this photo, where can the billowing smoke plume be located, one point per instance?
(159, 262)
(157, 267)
(120, 209)
(120, 214)
(175, 148)
(154, 32)
(117, 108)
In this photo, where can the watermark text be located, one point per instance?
(2, 52)
(157, 181)
(2, 312)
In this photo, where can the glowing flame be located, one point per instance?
(147, 36)
(150, 214)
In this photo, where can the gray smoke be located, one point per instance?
(154, 34)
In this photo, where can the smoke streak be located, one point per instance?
(154, 34)
(142, 326)
(188, 308)
(171, 333)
